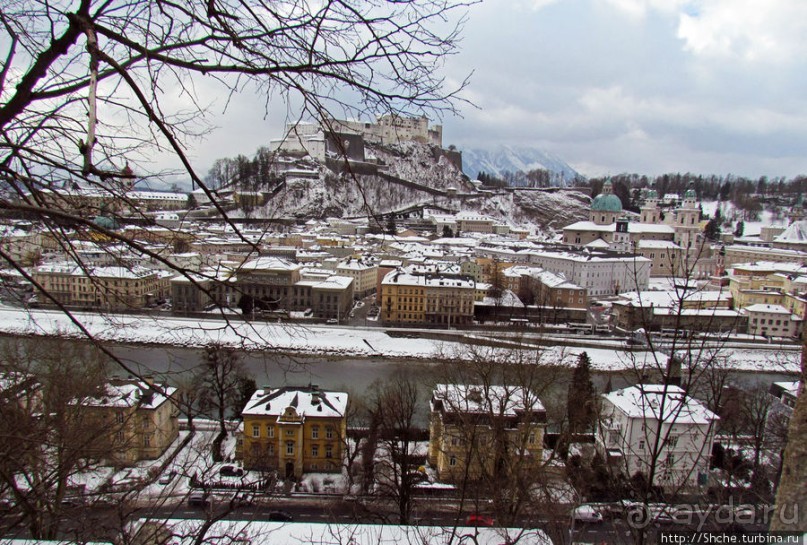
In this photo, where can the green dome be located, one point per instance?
(651, 194)
(690, 194)
(105, 222)
(606, 202)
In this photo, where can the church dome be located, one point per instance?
(606, 201)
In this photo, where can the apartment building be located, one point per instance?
(482, 430)
(633, 418)
(139, 419)
(364, 275)
(772, 321)
(599, 272)
(106, 288)
(294, 430)
(426, 299)
(535, 286)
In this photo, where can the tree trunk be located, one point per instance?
(790, 512)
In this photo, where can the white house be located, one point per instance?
(772, 321)
(648, 422)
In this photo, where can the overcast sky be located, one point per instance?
(610, 86)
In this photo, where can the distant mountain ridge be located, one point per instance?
(511, 159)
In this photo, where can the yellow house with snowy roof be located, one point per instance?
(294, 430)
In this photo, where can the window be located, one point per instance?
(455, 441)
(119, 417)
(672, 441)
(641, 445)
(119, 436)
(289, 433)
(290, 448)
(452, 461)
(315, 432)
(256, 430)
(329, 433)
(314, 450)
(270, 449)
(270, 431)
(147, 441)
(329, 451)
(531, 439)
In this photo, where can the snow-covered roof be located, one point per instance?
(645, 401)
(672, 298)
(657, 245)
(306, 401)
(598, 243)
(795, 234)
(130, 393)
(71, 268)
(770, 309)
(490, 399)
(269, 263)
(633, 227)
(428, 280)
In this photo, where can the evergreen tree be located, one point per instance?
(392, 228)
(740, 229)
(581, 401)
(712, 229)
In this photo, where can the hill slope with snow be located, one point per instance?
(409, 175)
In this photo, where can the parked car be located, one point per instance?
(231, 471)
(167, 477)
(586, 513)
(475, 519)
(199, 499)
(279, 516)
(332, 321)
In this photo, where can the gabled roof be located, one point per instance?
(495, 400)
(306, 401)
(645, 401)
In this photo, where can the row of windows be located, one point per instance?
(270, 431)
(290, 445)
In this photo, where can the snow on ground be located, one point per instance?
(279, 533)
(345, 341)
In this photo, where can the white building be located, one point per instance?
(650, 422)
(600, 273)
(772, 321)
(364, 275)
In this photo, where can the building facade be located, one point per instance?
(478, 431)
(655, 425)
(294, 430)
(139, 417)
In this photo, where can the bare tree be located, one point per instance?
(48, 436)
(91, 92)
(393, 414)
(222, 377)
(489, 414)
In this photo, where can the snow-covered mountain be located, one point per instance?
(516, 159)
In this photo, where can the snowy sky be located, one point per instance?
(649, 86)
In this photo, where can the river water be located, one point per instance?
(354, 374)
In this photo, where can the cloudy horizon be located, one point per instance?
(612, 86)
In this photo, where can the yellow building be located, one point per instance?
(429, 298)
(107, 288)
(294, 430)
(139, 418)
(484, 430)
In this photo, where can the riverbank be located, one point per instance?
(335, 342)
